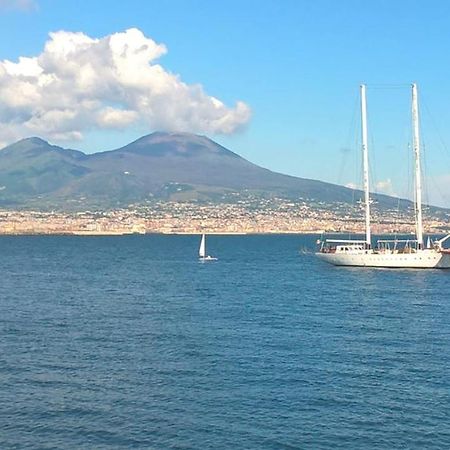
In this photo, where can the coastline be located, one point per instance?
(197, 233)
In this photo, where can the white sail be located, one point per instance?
(202, 249)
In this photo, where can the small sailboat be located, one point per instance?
(202, 251)
(396, 253)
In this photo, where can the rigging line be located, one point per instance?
(379, 86)
(409, 184)
(425, 172)
(443, 148)
(356, 161)
(349, 146)
(436, 128)
(358, 204)
(354, 117)
(373, 177)
(426, 198)
(397, 219)
(430, 179)
(413, 177)
(436, 188)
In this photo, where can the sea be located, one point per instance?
(129, 342)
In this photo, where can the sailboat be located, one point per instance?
(396, 253)
(202, 251)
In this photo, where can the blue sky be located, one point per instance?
(296, 65)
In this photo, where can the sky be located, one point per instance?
(274, 81)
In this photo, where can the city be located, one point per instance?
(244, 216)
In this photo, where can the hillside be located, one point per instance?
(161, 166)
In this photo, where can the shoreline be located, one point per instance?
(212, 233)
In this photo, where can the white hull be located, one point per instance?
(422, 259)
(207, 258)
(395, 253)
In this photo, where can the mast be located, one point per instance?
(365, 163)
(418, 174)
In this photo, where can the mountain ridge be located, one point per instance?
(164, 166)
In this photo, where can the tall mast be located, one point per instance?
(365, 163)
(418, 174)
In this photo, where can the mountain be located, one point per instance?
(168, 166)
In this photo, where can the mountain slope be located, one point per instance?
(197, 161)
(171, 166)
(32, 167)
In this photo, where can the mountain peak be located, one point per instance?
(28, 144)
(170, 166)
(179, 137)
(36, 147)
(35, 141)
(159, 144)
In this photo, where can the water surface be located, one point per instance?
(130, 342)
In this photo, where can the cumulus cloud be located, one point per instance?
(21, 5)
(79, 83)
(385, 187)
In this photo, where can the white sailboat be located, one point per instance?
(202, 251)
(396, 253)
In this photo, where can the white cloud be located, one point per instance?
(352, 186)
(114, 118)
(385, 187)
(79, 83)
(21, 5)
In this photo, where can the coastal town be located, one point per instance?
(253, 216)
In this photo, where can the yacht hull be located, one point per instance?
(207, 258)
(424, 259)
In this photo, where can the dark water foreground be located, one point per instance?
(129, 342)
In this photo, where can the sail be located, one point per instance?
(202, 249)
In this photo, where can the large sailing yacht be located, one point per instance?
(396, 253)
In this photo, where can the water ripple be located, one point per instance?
(130, 343)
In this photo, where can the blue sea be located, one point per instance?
(130, 342)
